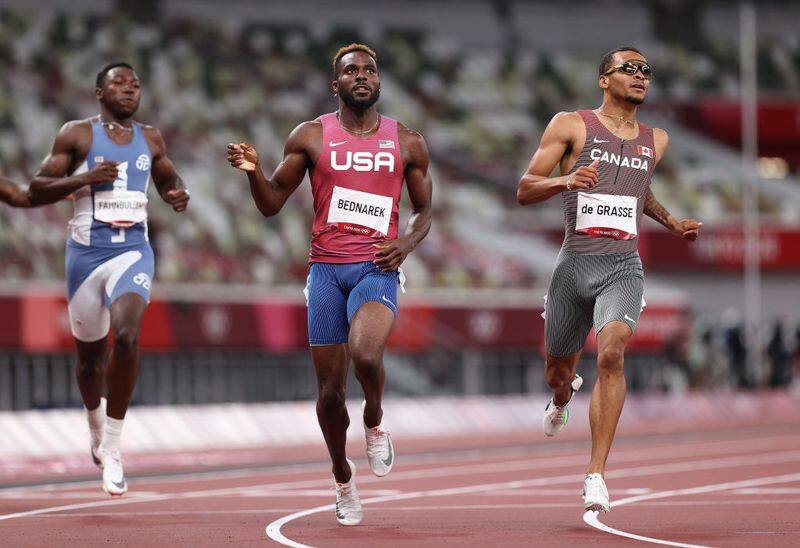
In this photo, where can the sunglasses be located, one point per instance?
(629, 67)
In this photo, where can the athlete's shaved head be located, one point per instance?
(350, 48)
(608, 59)
(101, 76)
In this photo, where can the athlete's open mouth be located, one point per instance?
(362, 88)
(638, 86)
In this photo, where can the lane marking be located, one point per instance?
(513, 453)
(422, 473)
(273, 530)
(431, 507)
(591, 517)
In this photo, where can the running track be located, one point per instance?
(732, 487)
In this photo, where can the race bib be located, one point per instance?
(120, 208)
(606, 216)
(360, 212)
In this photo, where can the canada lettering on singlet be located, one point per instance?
(619, 160)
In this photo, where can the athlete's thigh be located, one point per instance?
(330, 364)
(568, 316)
(131, 273)
(327, 306)
(373, 285)
(620, 299)
(86, 277)
(126, 313)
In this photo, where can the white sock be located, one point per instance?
(113, 431)
(96, 418)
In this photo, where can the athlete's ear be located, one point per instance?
(335, 87)
(603, 82)
(98, 93)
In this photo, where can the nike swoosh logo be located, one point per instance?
(596, 140)
(119, 485)
(388, 461)
(332, 144)
(387, 300)
(630, 319)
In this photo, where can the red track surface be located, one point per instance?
(512, 496)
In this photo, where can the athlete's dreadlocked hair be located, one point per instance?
(351, 48)
(101, 76)
(608, 58)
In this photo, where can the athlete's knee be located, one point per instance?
(366, 360)
(126, 339)
(557, 374)
(89, 367)
(610, 359)
(330, 399)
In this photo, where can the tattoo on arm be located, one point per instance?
(656, 211)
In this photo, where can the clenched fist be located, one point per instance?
(583, 178)
(178, 199)
(104, 172)
(243, 156)
(688, 229)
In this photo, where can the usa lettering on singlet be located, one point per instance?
(356, 186)
(605, 218)
(114, 214)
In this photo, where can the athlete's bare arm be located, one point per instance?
(420, 189)
(561, 143)
(13, 194)
(54, 181)
(168, 183)
(299, 155)
(688, 229)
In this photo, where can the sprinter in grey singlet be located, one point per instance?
(607, 159)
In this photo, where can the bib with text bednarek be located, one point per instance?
(606, 216)
(120, 208)
(360, 212)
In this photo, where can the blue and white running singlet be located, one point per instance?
(108, 251)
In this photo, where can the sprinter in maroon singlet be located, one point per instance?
(357, 160)
(607, 159)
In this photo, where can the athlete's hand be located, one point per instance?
(104, 172)
(243, 156)
(583, 178)
(688, 229)
(178, 199)
(391, 254)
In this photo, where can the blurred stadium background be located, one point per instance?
(480, 79)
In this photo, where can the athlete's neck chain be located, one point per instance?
(355, 131)
(618, 118)
(112, 124)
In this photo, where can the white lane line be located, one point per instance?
(768, 491)
(426, 508)
(591, 517)
(514, 452)
(437, 472)
(273, 530)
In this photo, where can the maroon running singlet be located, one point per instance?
(356, 186)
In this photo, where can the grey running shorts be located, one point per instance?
(591, 290)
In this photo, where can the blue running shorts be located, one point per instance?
(98, 276)
(335, 292)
